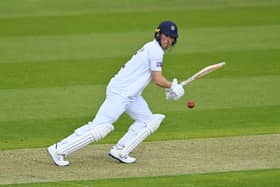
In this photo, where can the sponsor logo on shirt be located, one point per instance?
(159, 64)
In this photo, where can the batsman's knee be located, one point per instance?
(153, 124)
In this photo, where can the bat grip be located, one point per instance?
(189, 80)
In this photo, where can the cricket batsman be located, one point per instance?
(124, 94)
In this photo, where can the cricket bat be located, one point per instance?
(203, 72)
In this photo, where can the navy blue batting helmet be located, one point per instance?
(168, 28)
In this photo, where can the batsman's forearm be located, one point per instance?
(160, 80)
(164, 83)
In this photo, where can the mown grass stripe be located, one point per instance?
(179, 125)
(45, 48)
(253, 178)
(90, 23)
(91, 72)
(21, 8)
(213, 93)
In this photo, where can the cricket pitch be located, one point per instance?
(153, 159)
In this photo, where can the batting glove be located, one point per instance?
(176, 90)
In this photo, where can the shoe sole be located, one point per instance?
(120, 159)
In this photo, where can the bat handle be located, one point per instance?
(189, 80)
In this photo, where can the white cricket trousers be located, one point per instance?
(109, 112)
(115, 105)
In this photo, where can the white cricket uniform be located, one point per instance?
(123, 95)
(125, 88)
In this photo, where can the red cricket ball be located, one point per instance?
(191, 104)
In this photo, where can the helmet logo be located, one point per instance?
(172, 27)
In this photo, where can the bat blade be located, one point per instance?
(203, 72)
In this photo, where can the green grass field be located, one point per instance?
(56, 58)
(232, 179)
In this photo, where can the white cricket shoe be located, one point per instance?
(116, 153)
(58, 159)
